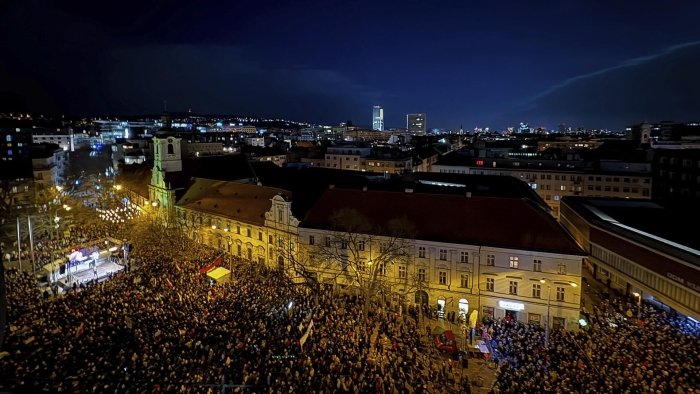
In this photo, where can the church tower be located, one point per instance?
(167, 160)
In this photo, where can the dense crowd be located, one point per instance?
(166, 328)
(622, 352)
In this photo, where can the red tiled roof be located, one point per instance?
(239, 201)
(498, 222)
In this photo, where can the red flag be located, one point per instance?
(81, 329)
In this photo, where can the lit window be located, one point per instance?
(513, 262)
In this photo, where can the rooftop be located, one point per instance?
(647, 222)
(485, 221)
(239, 201)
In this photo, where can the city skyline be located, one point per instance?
(582, 64)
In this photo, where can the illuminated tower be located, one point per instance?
(167, 161)
(378, 118)
(415, 123)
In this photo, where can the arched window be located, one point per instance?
(171, 150)
(280, 262)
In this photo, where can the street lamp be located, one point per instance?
(57, 219)
(549, 302)
(639, 304)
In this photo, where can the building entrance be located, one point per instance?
(463, 309)
(441, 308)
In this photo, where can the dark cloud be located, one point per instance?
(220, 79)
(326, 62)
(663, 86)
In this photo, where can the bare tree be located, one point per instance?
(361, 253)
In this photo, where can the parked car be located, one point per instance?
(446, 342)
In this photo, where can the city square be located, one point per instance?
(350, 197)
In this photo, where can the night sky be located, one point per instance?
(598, 64)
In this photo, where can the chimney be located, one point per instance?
(469, 194)
(409, 190)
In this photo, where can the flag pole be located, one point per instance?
(31, 243)
(19, 247)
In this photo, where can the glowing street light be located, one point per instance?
(549, 301)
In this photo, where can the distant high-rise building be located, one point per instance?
(415, 123)
(378, 118)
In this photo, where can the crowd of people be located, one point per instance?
(165, 328)
(626, 349)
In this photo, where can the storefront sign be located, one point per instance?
(511, 306)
